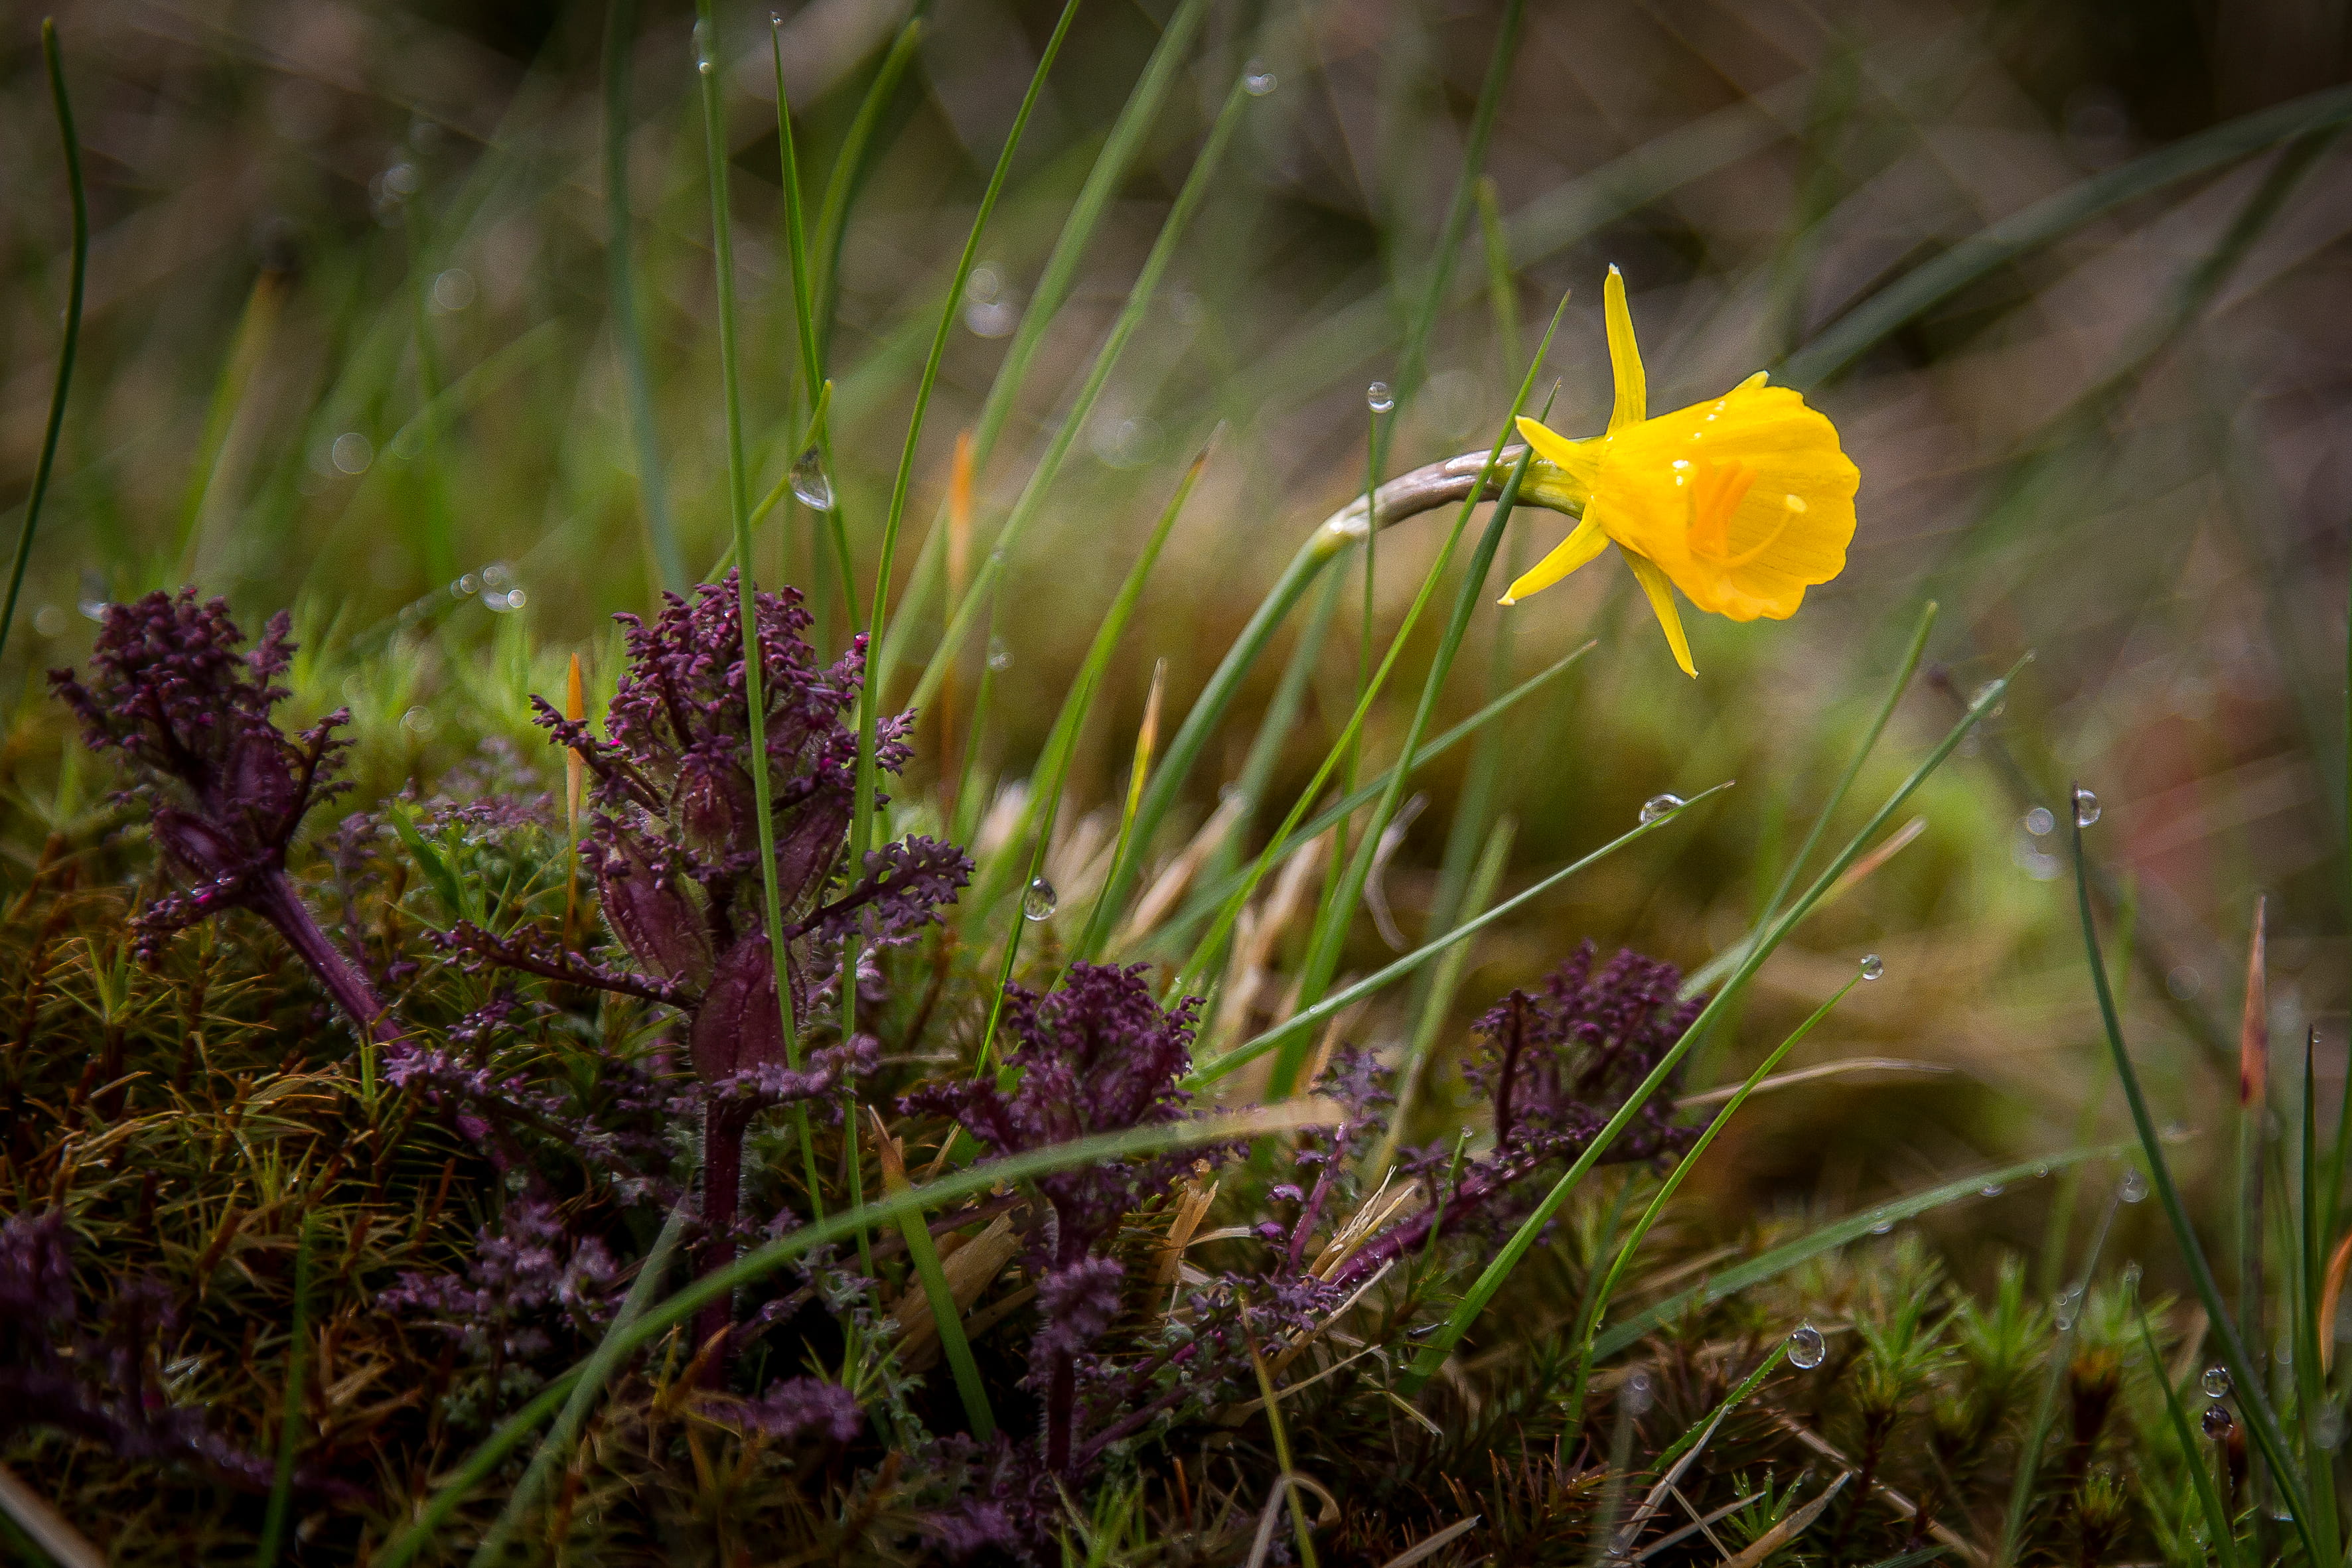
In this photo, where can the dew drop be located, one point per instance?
(2216, 1382)
(351, 452)
(498, 574)
(2134, 1186)
(1000, 657)
(1883, 1227)
(1793, 501)
(1039, 899)
(811, 483)
(1257, 78)
(2039, 822)
(1806, 1347)
(1985, 692)
(1873, 966)
(466, 587)
(419, 722)
(2131, 1276)
(2217, 1421)
(1657, 806)
(2086, 808)
(2067, 1308)
(1639, 1394)
(1991, 1189)
(1379, 397)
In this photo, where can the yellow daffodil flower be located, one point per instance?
(1742, 502)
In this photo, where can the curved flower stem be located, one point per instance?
(274, 898)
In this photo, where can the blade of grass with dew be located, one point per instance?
(1440, 1345)
(1731, 1401)
(1062, 744)
(1230, 912)
(746, 591)
(1164, 1137)
(1714, 968)
(595, 1374)
(878, 613)
(1055, 284)
(1924, 287)
(947, 1318)
(1779, 1260)
(1207, 901)
(1310, 1018)
(77, 268)
(2209, 1500)
(1438, 1001)
(620, 284)
(1597, 1304)
(828, 521)
(290, 1429)
(1329, 935)
(1195, 190)
(2243, 1370)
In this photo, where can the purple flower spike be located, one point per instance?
(806, 1410)
(225, 787)
(1097, 1056)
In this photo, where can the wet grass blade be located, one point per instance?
(620, 284)
(1440, 1344)
(1308, 1019)
(1195, 190)
(1828, 1238)
(77, 268)
(595, 1374)
(2209, 1498)
(761, 1261)
(1721, 964)
(2245, 1371)
(1925, 287)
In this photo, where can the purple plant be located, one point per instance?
(101, 1382)
(805, 1409)
(1555, 1065)
(225, 787)
(523, 1278)
(1099, 1055)
(675, 848)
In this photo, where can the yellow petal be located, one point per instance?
(1662, 600)
(1624, 357)
(1550, 445)
(1585, 541)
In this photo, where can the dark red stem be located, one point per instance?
(722, 1183)
(274, 898)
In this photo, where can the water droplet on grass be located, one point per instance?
(1985, 692)
(1639, 1394)
(811, 483)
(2067, 1308)
(2134, 1186)
(1000, 657)
(2215, 1383)
(1873, 966)
(351, 452)
(1257, 78)
(1039, 899)
(1806, 1347)
(1379, 397)
(1991, 1189)
(1657, 806)
(2217, 1421)
(2086, 808)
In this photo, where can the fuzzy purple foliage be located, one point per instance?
(100, 1382)
(527, 1275)
(805, 1409)
(171, 693)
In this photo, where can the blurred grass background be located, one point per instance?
(350, 347)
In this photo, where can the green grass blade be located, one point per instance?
(1731, 1401)
(595, 1374)
(1309, 1018)
(947, 1318)
(77, 272)
(1440, 1344)
(1062, 744)
(1925, 287)
(850, 167)
(761, 1261)
(2244, 1370)
(1438, 1001)
(1216, 893)
(290, 1429)
(1596, 1301)
(2209, 1498)
(1718, 967)
(1828, 1238)
(1195, 190)
(1054, 283)
(739, 508)
(620, 283)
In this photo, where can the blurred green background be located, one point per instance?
(350, 348)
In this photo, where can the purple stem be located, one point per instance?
(273, 897)
(722, 1185)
